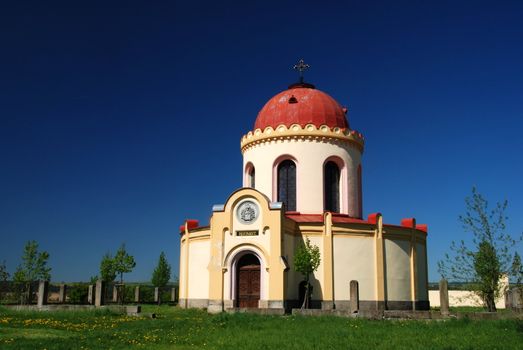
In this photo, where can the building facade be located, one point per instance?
(302, 179)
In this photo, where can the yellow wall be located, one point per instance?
(293, 278)
(397, 262)
(422, 276)
(354, 259)
(182, 293)
(199, 275)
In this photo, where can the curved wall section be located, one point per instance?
(310, 156)
(397, 271)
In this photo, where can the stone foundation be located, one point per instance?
(327, 305)
(193, 303)
(215, 306)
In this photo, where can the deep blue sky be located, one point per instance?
(118, 120)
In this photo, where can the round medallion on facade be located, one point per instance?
(247, 212)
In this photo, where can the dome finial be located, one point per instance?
(301, 66)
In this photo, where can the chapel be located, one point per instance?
(302, 179)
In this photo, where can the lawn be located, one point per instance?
(192, 329)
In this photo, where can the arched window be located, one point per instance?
(287, 184)
(252, 177)
(331, 183)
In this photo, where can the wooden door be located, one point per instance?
(248, 282)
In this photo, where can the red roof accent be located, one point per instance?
(409, 222)
(343, 218)
(301, 104)
(373, 218)
(318, 218)
(305, 217)
(423, 227)
(191, 224)
(347, 219)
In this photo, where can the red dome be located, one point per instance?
(301, 104)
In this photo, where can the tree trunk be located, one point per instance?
(305, 304)
(490, 303)
(27, 294)
(120, 295)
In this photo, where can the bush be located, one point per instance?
(77, 293)
(147, 294)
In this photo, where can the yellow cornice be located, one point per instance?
(296, 132)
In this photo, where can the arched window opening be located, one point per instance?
(331, 182)
(252, 178)
(287, 184)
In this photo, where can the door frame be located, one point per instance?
(249, 278)
(234, 273)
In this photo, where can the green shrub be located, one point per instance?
(77, 293)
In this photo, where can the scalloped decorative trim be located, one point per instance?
(309, 132)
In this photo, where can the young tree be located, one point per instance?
(4, 275)
(123, 262)
(489, 257)
(107, 271)
(33, 267)
(517, 269)
(161, 274)
(306, 261)
(93, 279)
(486, 265)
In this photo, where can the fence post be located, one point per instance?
(90, 292)
(115, 294)
(517, 298)
(156, 294)
(508, 299)
(99, 294)
(43, 290)
(137, 294)
(444, 297)
(62, 293)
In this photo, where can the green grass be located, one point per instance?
(192, 329)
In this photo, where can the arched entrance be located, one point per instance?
(248, 281)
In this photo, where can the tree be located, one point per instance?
(4, 275)
(107, 271)
(93, 279)
(123, 262)
(306, 261)
(486, 265)
(33, 267)
(489, 257)
(161, 274)
(516, 269)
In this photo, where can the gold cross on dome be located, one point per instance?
(301, 66)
